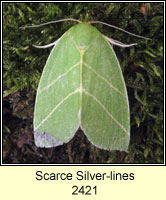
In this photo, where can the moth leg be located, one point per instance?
(47, 45)
(117, 43)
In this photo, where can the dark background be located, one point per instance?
(142, 67)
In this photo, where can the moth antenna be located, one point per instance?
(52, 22)
(112, 26)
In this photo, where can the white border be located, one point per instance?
(2, 83)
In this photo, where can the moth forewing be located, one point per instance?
(82, 86)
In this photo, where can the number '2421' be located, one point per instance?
(84, 190)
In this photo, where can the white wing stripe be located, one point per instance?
(112, 117)
(104, 79)
(58, 78)
(57, 106)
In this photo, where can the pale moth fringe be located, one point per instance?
(112, 41)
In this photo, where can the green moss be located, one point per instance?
(142, 66)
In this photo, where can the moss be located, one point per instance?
(142, 67)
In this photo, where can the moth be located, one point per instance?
(82, 86)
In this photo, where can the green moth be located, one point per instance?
(82, 86)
